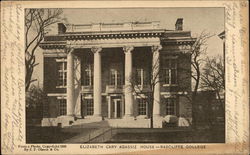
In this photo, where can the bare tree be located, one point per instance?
(213, 77)
(36, 23)
(144, 87)
(197, 54)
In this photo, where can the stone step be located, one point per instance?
(114, 123)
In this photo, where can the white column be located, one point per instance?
(97, 82)
(156, 78)
(70, 83)
(77, 86)
(128, 89)
(109, 107)
(115, 106)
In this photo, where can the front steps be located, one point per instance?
(91, 122)
(114, 123)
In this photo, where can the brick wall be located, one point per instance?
(51, 76)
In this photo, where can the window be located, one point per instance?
(88, 75)
(115, 77)
(62, 107)
(90, 106)
(141, 77)
(170, 71)
(62, 72)
(171, 106)
(142, 106)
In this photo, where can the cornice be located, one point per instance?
(112, 35)
(178, 41)
(167, 37)
(53, 45)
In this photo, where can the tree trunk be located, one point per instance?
(151, 114)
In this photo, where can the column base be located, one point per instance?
(66, 120)
(78, 116)
(183, 122)
(129, 117)
(62, 121)
(49, 122)
(96, 117)
(157, 121)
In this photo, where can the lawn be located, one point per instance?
(168, 136)
(38, 134)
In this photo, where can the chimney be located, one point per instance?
(179, 24)
(61, 28)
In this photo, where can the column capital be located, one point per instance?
(128, 49)
(69, 50)
(155, 48)
(96, 49)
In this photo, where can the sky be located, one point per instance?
(196, 20)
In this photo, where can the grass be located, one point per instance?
(174, 136)
(38, 134)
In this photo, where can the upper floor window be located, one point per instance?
(169, 70)
(88, 75)
(115, 77)
(62, 72)
(171, 106)
(141, 77)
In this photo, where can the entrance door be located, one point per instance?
(116, 108)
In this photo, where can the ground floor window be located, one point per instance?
(171, 106)
(142, 106)
(62, 107)
(90, 106)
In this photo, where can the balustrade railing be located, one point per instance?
(112, 26)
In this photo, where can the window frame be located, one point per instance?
(88, 75)
(62, 103)
(62, 73)
(89, 106)
(171, 100)
(115, 77)
(141, 76)
(167, 70)
(144, 103)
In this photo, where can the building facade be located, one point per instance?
(88, 72)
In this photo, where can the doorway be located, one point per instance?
(116, 108)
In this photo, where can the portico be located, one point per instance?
(120, 95)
